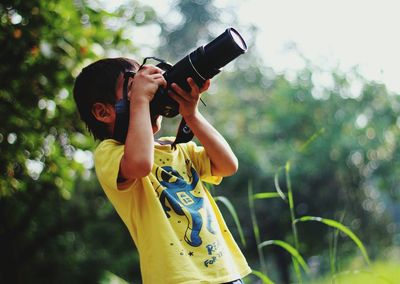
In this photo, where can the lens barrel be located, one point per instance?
(201, 64)
(225, 48)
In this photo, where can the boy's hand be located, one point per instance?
(138, 157)
(188, 101)
(223, 160)
(146, 83)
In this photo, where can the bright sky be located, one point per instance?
(343, 33)
(330, 32)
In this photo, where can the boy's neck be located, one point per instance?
(163, 142)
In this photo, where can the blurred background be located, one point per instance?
(312, 111)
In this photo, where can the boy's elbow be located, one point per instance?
(234, 166)
(228, 169)
(143, 169)
(137, 169)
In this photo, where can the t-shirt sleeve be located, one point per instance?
(201, 161)
(107, 158)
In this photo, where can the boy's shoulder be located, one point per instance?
(162, 143)
(107, 148)
(107, 143)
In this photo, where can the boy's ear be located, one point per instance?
(103, 112)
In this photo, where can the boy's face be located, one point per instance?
(155, 121)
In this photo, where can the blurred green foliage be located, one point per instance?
(384, 272)
(55, 222)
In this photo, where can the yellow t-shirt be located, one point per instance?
(172, 218)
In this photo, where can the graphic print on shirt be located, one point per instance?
(177, 195)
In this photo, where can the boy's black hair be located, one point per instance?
(97, 83)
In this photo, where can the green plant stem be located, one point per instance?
(342, 228)
(291, 205)
(293, 218)
(333, 249)
(256, 229)
(234, 215)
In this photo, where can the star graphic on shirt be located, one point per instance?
(190, 253)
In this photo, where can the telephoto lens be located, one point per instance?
(201, 64)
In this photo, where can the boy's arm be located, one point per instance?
(138, 157)
(223, 160)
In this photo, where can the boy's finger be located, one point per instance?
(160, 80)
(176, 97)
(178, 90)
(206, 85)
(150, 69)
(193, 86)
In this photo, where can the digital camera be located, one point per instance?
(201, 64)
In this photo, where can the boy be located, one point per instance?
(157, 189)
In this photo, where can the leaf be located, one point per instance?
(341, 227)
(110, 277)
(253, 216)
(266, 195)
(264, 278)
(254, 222)
(289, 186)
(305, 145)
(235, 217)
(277, 186)
(294, 252)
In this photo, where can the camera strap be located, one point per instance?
(122, 110)
(185, 134)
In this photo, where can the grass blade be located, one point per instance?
(305, 145)
(277, 186)
(289, 186)
(256, 229)
(294, 252)
(297, 270)
(342, 228)
(234, 215)
(264, 278)
(291, 204)
(266, 195)
(109, 277)
(333, 247)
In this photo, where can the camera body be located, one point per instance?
(201, 64)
